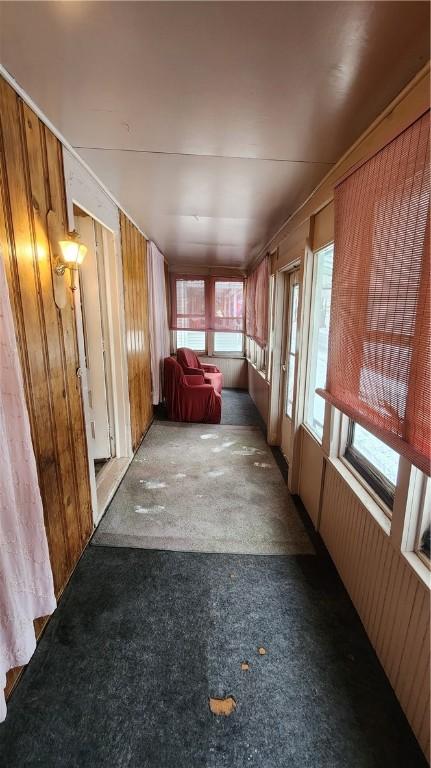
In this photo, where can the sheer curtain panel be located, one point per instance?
(26, 586)
(158, 319)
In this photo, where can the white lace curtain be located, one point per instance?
(26, 586)
(158, 315)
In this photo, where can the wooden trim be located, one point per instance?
(135, 281)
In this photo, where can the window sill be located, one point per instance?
(228, 355)
(261, 373)
(419, 568)
(312, 434)
(362, 493)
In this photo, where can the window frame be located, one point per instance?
(209, 287)
(311, 331)
(383, 489)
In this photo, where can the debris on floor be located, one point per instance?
(245, 666)
(222, 707)
(261, 651)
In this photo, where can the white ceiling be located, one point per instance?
(211, 122)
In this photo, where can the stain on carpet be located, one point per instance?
(222, 707)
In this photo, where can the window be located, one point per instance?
(192, 339)
(423, 536)
(318, 343)
(201, 305)
(291, 360)
(270, 350)
(228, 306)
(375, 461)
(228, 342)
(190, 304)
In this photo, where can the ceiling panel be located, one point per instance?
(228, 112)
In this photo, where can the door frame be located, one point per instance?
(84, 192)
(285, 354)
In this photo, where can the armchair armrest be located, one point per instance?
(193, 371)
(194, 380)
(210, 368)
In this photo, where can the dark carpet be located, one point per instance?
(141, 639)
(238, 408)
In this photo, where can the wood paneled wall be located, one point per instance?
(258, 389)
(31, 186)
(134, 254)
(392, 602)
(234, 370)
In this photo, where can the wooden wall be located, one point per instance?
(234, 370)
(134, 254)
(258, 389)
(392, 602)
(32, 185)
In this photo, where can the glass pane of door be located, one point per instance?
(291, 357)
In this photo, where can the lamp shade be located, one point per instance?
(73, 252)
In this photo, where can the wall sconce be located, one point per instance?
(72, 255)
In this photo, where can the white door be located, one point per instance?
(289, 362)
(100, 447)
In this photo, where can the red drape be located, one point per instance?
(257, 297)
(379, 342)
(206, 303)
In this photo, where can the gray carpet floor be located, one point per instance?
(204, 488)
(122, 675)
(141, 639)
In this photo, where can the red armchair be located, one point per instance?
(191, 365)
(187, 397)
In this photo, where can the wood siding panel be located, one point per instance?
(31, 187)
(392, 602)
(234, 370)
(134, 255)
(258, 389)
(310, 475)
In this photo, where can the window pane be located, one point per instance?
(294, 295)
(228, 342)
(423, 536)
(228, 305)
(383, 458)
(192, 339)
(319, 331)
(425, 540)
(191, 304)
(290, 381)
